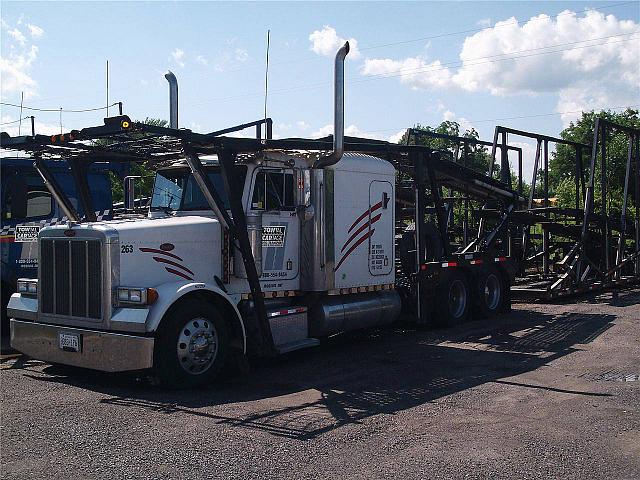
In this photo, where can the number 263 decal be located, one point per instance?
(127, 249)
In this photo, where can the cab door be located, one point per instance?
(26, 207)
(381, 227)
(274, 193)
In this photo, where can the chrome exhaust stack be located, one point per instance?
(173, 98)
(338, 111)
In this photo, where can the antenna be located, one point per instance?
(107, 104)
(21, 102)
(266, 77)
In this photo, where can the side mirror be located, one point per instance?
(130, 192)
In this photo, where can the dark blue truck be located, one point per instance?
(27, 206)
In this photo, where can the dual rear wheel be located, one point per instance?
(456, 299)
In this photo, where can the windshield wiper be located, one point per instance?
(165, 208)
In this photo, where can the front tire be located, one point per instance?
(191, 346)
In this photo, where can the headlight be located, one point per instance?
(27, 286)
(136, 295)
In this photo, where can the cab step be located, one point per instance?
(289, 329)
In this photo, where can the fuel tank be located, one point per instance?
(343, 313)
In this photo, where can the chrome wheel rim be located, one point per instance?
(197, 346)
(492, 292)
(457, 298)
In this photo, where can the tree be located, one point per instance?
(477, 155)
(562, 162)
(144, 185)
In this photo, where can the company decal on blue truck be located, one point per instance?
(28, 232)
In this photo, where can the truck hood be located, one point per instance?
(153, 251)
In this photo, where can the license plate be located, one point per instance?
(69, 342)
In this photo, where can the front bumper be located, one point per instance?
(109, 352)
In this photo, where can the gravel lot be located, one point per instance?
(546, 391)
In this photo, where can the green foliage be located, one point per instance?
(144, 185)
(478, 157)
(562, 170)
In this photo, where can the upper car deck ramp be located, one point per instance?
(121, 139)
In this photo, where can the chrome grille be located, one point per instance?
(71, 277)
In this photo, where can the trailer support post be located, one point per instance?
(604, 192)
(79, 172)
(623, 214)
(56, 191)
(237, 228)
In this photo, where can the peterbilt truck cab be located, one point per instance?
(170, 292)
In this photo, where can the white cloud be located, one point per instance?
(465, 124)
(323, 131)
(396, 137)
(14, 71)
(413, 71)
(18, 36)
(326, 42)
(594, 62)
(178, 56)
(202, 60)
(302, 125)
(35, 30)
(606, 74)
(241, 54)
(484, 22)
(25, 128)
(549, 72)
(350, 131)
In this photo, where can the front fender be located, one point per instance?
(170, 293)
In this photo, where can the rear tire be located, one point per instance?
(489, 295)
(192, 346)
(453, 299)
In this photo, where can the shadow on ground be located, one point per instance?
(354, 377)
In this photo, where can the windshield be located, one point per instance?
(178, 190)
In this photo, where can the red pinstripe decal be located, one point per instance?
(365, 214)
(175, 272)
(164, 260)
(354, 246)
(161, 252)
(355, 234)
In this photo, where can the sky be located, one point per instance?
(528, 65)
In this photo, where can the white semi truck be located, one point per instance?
(251, 247)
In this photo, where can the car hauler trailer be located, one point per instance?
(255, 247)
(564, 251)
(560, 251)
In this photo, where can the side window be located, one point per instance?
(273, 190)
(26, 197)
(38, 203)
(258, 198)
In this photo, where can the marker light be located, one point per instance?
(124, 124)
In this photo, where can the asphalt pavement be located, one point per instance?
(547, 391)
